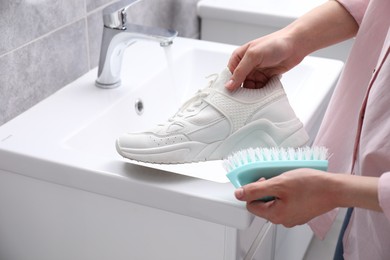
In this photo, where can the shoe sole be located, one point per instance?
(260, 133)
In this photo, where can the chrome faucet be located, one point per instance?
(118, 34)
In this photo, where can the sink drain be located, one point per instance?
(139, 107)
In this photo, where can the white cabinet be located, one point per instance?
(45, 221)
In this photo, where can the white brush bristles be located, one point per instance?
(252, 155)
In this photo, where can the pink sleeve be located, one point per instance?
(384, 193)
(356, 8)
(320, 225)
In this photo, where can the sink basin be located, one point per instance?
(69, 137)
(149, 103)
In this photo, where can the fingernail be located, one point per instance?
(229, 84)
(239, 193)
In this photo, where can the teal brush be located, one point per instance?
(250, 165)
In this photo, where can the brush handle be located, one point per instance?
(252, 172)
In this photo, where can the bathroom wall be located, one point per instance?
(44, 44)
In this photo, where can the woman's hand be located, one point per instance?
(257, 61)
(303, 194)
(300, 194)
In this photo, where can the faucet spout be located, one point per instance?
(118, 34)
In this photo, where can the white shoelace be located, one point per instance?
(197, 100)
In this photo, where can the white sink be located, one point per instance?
(68, 138)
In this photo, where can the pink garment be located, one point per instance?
(356, 129)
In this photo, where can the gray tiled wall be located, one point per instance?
(46, 44)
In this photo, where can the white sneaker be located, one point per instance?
(216, 122)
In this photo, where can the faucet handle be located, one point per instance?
(114, 15)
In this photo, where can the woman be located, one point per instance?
(356, 126)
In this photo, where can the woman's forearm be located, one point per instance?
(356, 191)
(325, 25)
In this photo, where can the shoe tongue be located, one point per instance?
(221, 80)
(245, 94)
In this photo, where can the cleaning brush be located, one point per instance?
(250, 165)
